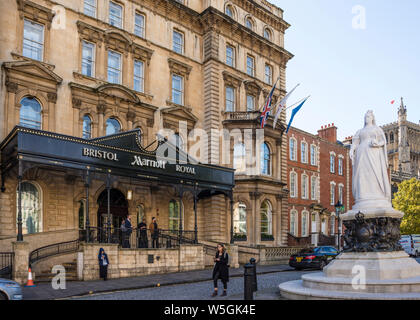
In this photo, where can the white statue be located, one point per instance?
(371, 184)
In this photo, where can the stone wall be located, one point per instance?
(42, 239)
(125, 263)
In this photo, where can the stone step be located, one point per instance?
(294, 290)
(320, 282)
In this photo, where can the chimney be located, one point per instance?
(328, 132)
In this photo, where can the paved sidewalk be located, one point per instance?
(44, 291)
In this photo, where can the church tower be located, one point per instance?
(403, 146)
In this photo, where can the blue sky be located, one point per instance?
(348, 71)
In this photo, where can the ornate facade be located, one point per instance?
(403, 146)
(90, 68)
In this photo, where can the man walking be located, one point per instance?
(154, 233)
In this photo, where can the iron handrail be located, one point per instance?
(52, 250)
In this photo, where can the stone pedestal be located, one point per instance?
(21, 261)
(360, 276)
(372, 266)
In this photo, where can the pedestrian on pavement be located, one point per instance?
(154, 231)
(128, 229)
(103, 264)
(221, 269)
(142, 229)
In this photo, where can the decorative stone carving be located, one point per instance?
(77, 103)
(101, 108)
(131, 116)
(12, 87)
(150, 123)
(372, 235)
(179, 67)
(231, 79)
(35, 12)
(252, 88)
(52, 97)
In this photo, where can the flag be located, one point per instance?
(282, 105)
(295, 110)
(267, 106)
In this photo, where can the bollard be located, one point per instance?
(248, 282)
(252, 261)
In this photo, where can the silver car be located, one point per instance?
(10, 290)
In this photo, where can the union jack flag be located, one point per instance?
(267, 107)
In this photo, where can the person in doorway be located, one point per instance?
(154, 231)
(221, 269)
(103, 264)
(142, 230)
(123, 231)
(127, 233)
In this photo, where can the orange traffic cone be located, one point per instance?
(30, 282)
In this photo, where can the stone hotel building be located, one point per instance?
(87, 84)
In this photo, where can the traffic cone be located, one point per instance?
(30, 282)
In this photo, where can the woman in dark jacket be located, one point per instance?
(103, 264)
(221, 269)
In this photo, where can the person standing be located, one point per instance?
(127, 233)
(221, 269)
(154, 231)
(103, 264)
(142, 229)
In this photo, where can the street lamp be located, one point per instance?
(338, 209)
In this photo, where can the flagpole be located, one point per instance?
(265, 101)
(296, 103)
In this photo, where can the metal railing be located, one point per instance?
(135, 238)
(6, 265)
(53, 250)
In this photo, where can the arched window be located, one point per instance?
(391, 137)
(87, 127)
(239, 219)
(293, 185)
(112, 126)
(82, 214)
(229, 11)
(265, 160)
(267, 33)
(292, 149)
(239, 160)
(249, 23)
(305, 182)
(304, 152)
(266, 219)
(305, 223)
(31, 208)
(174, 215)
(30, 113)
(293, 225)
(386, 138)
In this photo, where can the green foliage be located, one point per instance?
(407, 200)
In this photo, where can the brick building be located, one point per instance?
(319, 175)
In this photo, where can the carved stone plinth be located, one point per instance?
(372, 235)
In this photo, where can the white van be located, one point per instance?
(411, 244)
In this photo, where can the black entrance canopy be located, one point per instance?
(120, 154)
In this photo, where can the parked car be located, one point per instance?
(317, 258)
(10, 290)
(411, 244)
